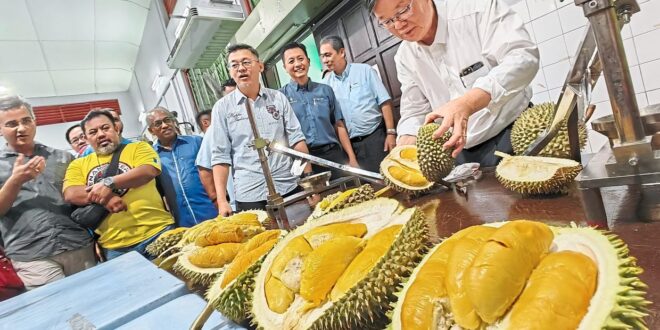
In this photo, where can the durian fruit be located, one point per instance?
(586, 280)
(363, 306)
(341, 200)
(318, 236)
(536, 175)
(434, 162)
(220, 233)
(165, 241)
(401, 171)
(201, 266)
(534, 121)
(230, 294)
(214, 256)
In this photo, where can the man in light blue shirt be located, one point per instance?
(177, 154)
(205, 168)
(233, 139)
(365, 104)
(318, 111)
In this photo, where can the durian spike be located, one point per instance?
(168, 262)
(502, 154)
(169, 250)
(199, 322)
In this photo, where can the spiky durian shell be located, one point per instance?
(434, 162)
(193, 274)
(362, 194)
(364, 306)
(165, 241)
(533, 121)
(399, 185)
(562, 175)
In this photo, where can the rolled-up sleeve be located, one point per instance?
(204, 155)
(219, 139)
(293, 130)
(510, 51)
(414, 104)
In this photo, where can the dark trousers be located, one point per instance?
(369, 149)
(261, 205)
(484, 153)
(331, 152)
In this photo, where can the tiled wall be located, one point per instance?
(558, 27)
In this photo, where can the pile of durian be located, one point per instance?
(414, 169)
(524, 275)
(343, 199)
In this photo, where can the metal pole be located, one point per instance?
(603, 19)
(260, 144)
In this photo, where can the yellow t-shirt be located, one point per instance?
(145, 215)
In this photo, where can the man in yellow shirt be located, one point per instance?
(137, 214)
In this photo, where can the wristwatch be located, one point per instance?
(391, 131)
(109, 182)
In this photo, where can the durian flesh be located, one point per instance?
(536, 175)
(552, 290)
(355, 308)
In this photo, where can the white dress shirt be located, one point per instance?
(469, 32)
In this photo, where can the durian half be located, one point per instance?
(529, 175)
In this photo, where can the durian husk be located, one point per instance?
(364, 306)
(534, 121)
(435, 163)
(235, 298)
(618, 302)
(529, 175)
(394, 174)
(165, 241)
(193, 274)
(342, 200)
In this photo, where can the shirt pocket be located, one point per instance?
(471, 73)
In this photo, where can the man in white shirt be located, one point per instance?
(469, 62)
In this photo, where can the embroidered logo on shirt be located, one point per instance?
(273, 111)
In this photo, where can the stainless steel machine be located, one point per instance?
(633, 155)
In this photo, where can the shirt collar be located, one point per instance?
(239, 97)
(178, 140)
(343, 74)
(6, 151)
(308, 86)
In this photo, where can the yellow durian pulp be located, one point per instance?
(320, 235)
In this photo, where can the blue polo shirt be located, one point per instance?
(360, 93)
(194, 204)
(317, 110)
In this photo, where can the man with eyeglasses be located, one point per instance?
(317, 110)
(137, 213)
(120, 126)
(365, 103)
(177, 154)
(76, 139)
(233, 139)
(467, 62)
(40, 237)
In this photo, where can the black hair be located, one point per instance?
(335, 41)
(96, 113)
(370, 4)
(69, 131)
(293, 45)
(237, 47)
(228, 83)
(201, 114)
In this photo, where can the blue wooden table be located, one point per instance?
(128, 292)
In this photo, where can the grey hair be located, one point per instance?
(12, 101)
(370, 4)
(334, 41)
(151, 112)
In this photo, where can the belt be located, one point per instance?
(323, 148)
(360, 138)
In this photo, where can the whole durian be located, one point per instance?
(434, 162)
(533, 121)
(165, 241)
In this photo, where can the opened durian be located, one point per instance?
(231, 293)
(344, 199)
(533, 121)
(165, 241)
(536, 175)
(205, 247)
(434, 162)
(347, 281)
(401, 171)
(525, 275)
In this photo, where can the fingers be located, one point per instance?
(431, 117)
(457, 134)
(444, 127)
(19, 160)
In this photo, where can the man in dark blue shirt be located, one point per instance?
(177, 154)
(317, 110)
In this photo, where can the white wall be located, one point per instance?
(558, 27)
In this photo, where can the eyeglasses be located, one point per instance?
(166, 120)
(77, 139)
(27, 121)
(245, 63)
(401, 16)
